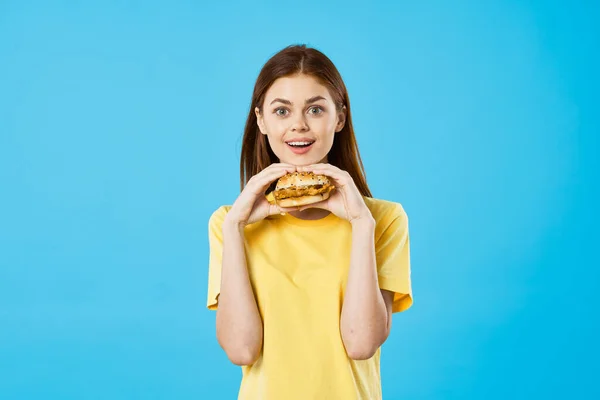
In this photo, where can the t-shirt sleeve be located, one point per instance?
(215, 242)
(392, 250)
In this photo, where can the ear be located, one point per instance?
(341, 119)
(260, 121)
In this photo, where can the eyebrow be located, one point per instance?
(308, 101)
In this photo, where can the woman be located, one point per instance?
(304, 295)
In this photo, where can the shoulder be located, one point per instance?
(385, 211)
(218, 216)
(390, 217)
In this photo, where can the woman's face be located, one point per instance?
(299, 111)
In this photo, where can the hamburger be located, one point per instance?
(299, 189)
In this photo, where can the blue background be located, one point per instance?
(120, 128)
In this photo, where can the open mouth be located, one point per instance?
(300, 147)
(299, 144)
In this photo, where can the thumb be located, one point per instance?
(282, 210)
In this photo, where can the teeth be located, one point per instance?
(299, 143)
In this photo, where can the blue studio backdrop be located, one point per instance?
(120, 128)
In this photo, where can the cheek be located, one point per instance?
(326, 123)
(324, 127)
(275, 137)
(275, 127)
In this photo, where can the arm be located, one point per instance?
(366, 312)
(239, 325)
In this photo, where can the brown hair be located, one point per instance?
(299, 59)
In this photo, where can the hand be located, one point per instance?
(251, 205)
(346, 200)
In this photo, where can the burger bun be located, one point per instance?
(302, 200)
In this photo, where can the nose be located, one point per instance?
(299, 124)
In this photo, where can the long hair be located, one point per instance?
(299, 59)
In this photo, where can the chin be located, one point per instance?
(303, 161)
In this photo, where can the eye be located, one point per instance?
(278, 113)
(318, 109)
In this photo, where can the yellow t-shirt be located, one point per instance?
(298, 270)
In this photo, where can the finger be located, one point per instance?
(281, 165)
(275, 168)
(274, 175)
(340, 177)
(287, 168)
(317, 165)
(266, 176)
(275, 209)
(261, 181)
(316, 168)
(287, 209)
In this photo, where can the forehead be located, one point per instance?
(296, 88)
